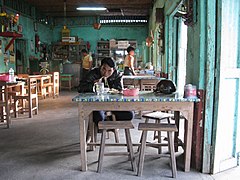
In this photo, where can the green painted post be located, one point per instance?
(210, 12)
(165, 64)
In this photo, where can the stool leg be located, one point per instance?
(155, 133)
(101, 151)
(116, 134)
(130, 149)
(172, 154)
(107, 135)
(159, 138)
(146, 121)
(36, 101)
(142, 153)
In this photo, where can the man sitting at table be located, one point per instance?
(112, 78)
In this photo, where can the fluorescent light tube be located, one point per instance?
(91, 8)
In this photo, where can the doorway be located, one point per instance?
(226, 139)
(21, 58)
(181, 57)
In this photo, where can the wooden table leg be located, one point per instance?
(83, 145)
(188, 136)
(176, 117)
(92, 132)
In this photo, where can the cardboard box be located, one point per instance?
(72, 39)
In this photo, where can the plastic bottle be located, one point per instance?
(11, 75)
(61, 68)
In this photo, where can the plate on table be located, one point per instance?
(114, 91)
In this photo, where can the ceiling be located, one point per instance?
(55, 8)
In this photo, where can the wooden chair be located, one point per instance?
(4, 105)
(148, 85)
(170, 129)
(106, 125)
(13, 90)
(31, 96)
(54, 85)
(51, 88)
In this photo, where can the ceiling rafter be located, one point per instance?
(54, 8)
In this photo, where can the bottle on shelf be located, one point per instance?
(11, 75)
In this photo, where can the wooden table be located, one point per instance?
(143, 82)
(88, 102)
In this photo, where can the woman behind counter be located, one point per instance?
(129, 62)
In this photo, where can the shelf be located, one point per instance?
(102, 49)
(10, 34)
(13, 35)
(71, 50)
(69, 43)
(103, 42)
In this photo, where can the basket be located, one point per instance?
(131, 92)
(4, 77)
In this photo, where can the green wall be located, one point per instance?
(44, 32)
(50, 34)
(88, 33)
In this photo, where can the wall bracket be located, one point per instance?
(13, 35)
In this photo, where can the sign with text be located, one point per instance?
(123, 44)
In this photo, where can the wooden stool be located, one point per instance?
(106, 125)
(31, 96)
(66, 81)
(170, 129)
(55, 81)
(158, 116)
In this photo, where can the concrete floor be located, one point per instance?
(47, 147)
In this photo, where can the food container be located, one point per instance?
(131, 92)
(157, 73)
(190, 91)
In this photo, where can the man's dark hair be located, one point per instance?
(84, 51)
(130, 48)
(109, 61)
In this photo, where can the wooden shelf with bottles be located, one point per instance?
(66, 50)
(103, 49)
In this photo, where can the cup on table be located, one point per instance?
(98, 88)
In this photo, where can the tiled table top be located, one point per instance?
(142, 97)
